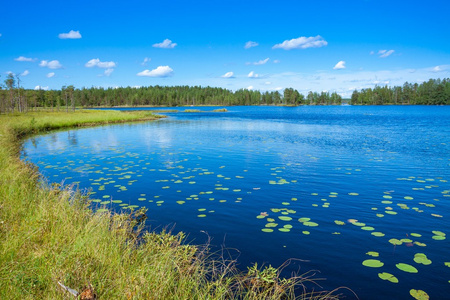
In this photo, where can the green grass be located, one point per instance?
(50, 235)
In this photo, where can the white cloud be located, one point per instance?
(261, 62)
(385, 53)
(228, 75)
(70, 35)
(25, 73)
(372, 52)
(279, 88)
(302, 43)
(95, 62)
(53, 64)
(108, 72)
(340, 65)
(23, 58)
(161, 71)
(252, 75)
(276, 61)
(437, 69)
(146, 60)
(250, 44)
(38, 87)
(50, 75)
(267, 83)
(166, 44)
(250, 87)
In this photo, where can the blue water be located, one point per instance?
(212, 174)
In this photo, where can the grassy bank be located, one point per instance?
(49, 235)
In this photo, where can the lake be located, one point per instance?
(361, 194)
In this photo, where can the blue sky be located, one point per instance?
(262, 45)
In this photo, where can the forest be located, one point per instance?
(431, 92)
(13, 97)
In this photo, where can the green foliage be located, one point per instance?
(431, 92)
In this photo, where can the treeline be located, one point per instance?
(431, 92)
(15, 98)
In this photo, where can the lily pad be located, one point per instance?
(373, 263)
(377, 234)
(284, 218)
(421, 258)
(267, 230)
(406, 268)
(368, 228)
(395, 242)
(302, 220)
(388, 276)
(310, 224)
(373, 253)
(339, 222)
(419, 294)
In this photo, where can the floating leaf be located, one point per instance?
(388, 276)
(302, 220)
(377, 234)
(406, 241)
(373, 253)
(421, 258)
(267, 230)
(353, 194)
(201, 216)
(311, 224)
(436, 232)
(284, 229)
(419, 294)
(284, 218)
(368, 228)
(339, 222)
(306, 232)
(415, 235)
(373, 263)
(406, 268)
(181, 202)
(408, 198)
(395, 242)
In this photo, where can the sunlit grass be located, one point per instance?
(50, 235)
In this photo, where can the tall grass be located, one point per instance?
(50, 235)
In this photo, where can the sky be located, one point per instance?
(321, 45)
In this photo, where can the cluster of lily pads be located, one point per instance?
(180, 174)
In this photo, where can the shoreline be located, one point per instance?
(50, 235)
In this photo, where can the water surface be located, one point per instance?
(332, 186)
